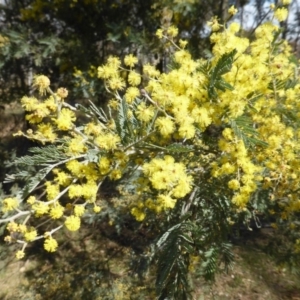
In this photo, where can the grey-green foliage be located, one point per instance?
(174, 252)
(174, 248)
(203, 232)
(215, 73)
(243, 128)
(18, 47)
(128, 126)
(32, 169)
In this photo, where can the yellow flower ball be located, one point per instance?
(42, 83)
(50, 244)
(20, 254)
(73, 223)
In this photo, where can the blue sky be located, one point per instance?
(250, 11)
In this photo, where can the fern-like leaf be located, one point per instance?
(174, 248)
(99, 112)
(209, 265)
(179, 148)
(121, 120)
(41, 157)
(243, 129)
(37, 166)
(223, 66)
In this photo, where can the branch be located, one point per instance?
(21, 213)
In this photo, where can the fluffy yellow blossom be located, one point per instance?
(47, 132)
(75, 190)
(182, 56)
(9, 204)
(97, 209)
(166, 201)
(72, 223)
(227, 169)
(114, 61)
(42, 83)
(228, 134)
(8, 239)
(104, 165)
(65, 119)
(165, 174)
(56, 211)
(76, 145)
(51, 103)
(240, 200)
(182, 43)
(41, 111)
(62, 93)
(116, 83)
(131, 94)
(159, 33)
(50, 244)
(106, 72)
(187, 130)
(234, 27)
(232, 10)
(214, 24)
(75, 167)
(286, 2)
(79, 210)
(20, 254)
(134, 78)
(40, 208)
(12, 227)
(92, 128)
(165, 126)
(201, 116)
(234, 184)
(89, 191)
(121, 157)
(150, 71)
(115, 174)
(30, 235)
(130, 60)
(183, 187)
(145, 113)
(138, 214)
(90, 171)
(29, 103)
(108, 141)
(172, 31)
(22, 228)
(281, 14)
(62, 178)
(52, 190)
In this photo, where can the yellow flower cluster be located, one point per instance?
(170, 181)
(258, 85)
(48, 114)
(50, 244)
(167, 175)
(9, 204)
